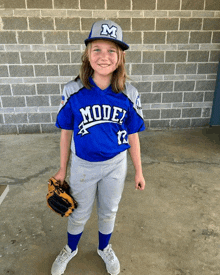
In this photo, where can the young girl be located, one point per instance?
(100, 117)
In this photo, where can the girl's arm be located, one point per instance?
(65, 143)
(135, 154)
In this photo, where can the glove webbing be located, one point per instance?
(56, 203)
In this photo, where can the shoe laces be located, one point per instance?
(64, 254)
(109, 253)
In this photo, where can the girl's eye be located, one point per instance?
(96, 50)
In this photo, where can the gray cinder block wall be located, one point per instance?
(173, 57)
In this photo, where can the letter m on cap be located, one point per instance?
(109, 31)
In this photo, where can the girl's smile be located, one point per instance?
(103, 58)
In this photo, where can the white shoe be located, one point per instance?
(59, 265)
(110, 259)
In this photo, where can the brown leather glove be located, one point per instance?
(59, 198)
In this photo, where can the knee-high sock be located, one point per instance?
(104, 240)
(73, 240)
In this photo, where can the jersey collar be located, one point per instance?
(92, 82)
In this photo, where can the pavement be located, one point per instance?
(171, 228)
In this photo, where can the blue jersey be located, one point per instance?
(101, 120)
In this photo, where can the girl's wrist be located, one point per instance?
(62, 171)
(138, 169)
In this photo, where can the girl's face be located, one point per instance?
(103, 58)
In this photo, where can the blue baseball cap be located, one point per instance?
(107, 30)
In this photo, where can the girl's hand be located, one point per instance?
(60, 175)
(139, 182)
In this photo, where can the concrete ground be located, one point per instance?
(172, 228)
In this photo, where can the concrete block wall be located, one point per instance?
(173, 57)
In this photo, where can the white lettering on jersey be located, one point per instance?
(122, 137)
(109, 31)
(96, 109)
(100, 114)
(115, 114)
(121, 120)
(86, 114)
(106, 112)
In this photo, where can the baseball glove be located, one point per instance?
(59, 198)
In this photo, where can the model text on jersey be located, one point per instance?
(98, 114)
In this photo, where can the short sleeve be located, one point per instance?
(135, 121)
(65, 116)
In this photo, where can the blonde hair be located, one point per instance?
(119, 76)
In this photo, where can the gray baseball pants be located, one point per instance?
(101, 181)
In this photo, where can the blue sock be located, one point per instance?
(104, 240)
(73, 240)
